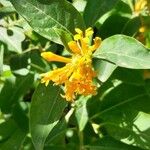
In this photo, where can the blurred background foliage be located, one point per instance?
(117, 118)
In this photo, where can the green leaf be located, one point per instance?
(46, 17)
(125, 52)
(7, 128)
(55, 147)
(19, 64)
(6, 11)
(65, 38)
(13, 90)
(112, 25)
(132, 26)
(116, 20)
(104, 69)
(1, 57)
(81, 112)
(119, 97)
(12, 38)
(95, 9)
(124, 114)
(108, 143)
(129, 76)
(15, 141)
(5, 3)
(27, 144)
(136, 132)
(46, 109)
(37, 63)
(123, 9)
(79, 5)
(57, 134)
(20, 116)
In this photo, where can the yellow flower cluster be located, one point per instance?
(139, 6)
(77, 75)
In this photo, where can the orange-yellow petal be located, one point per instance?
(74, 47)
(79, 31)
(58, 76)
(84, 45)
(89, 32)
(97, 42)
(77, 75)
(139, 5)
(77, 37)
(49, 56)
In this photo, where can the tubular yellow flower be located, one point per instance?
(49, 56)
(77, 75)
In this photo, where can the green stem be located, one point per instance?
(37, 67)
(30, 49)
(81, 140)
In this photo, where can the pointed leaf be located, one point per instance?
(108, 143)
(125, 52)
(46, 16)
(1, 57)
(58, 133)
(7, 128)
(81, 112)
(6, 11)
(46, 109)
(100, 7)
(104, 69)
(15, 141)
(13, 90)
(125, 114)
(12, 38)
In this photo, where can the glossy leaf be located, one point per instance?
(129, 76)
(100, 7)
(13, 90)
(132, 26)
(1, 58)
(6, 11)
(46, 109)
(27, 144)
(18, 62)
(20, 116)
(15, 141)
(116, 20)
(125, 52)
(81, 112)
(125, 114)
(57, 15)
(136, 133)
(112, 25)
(108, 143)
(7, 128)
(57, 134)
(104, 69)
(5, 3)
(36, 117)
(55, 147)
(12, 38)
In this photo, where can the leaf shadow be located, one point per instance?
(123, 114)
